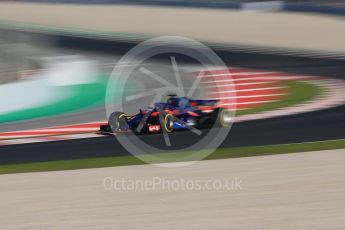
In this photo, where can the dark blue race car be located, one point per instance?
(174, 114)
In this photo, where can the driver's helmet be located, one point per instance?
(173, 101)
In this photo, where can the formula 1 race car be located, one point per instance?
(177, 113)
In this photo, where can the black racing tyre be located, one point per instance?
(117, 121)
(223, 118)
(168, 123)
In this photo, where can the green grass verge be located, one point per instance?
(222, 153)
(82, 96)
(299, 92)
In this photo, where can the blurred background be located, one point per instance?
(60, 46)
(57, 56)
(287, 59)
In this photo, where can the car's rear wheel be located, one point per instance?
(117, 121)
(224, 118)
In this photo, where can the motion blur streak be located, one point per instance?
(287, 63)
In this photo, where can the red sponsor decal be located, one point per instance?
(154, 128)
(202, 108)
(193, 114)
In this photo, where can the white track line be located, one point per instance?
(249, 103)
(263, 78)
(52, 130)
(238, 74)
(9, 137)
(248, 90)
(239, 84)
(47, 139)
(249, 96)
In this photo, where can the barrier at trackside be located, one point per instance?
(218, 4)
(314, 9)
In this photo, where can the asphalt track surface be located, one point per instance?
(315, 126)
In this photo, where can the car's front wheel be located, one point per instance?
(117, 121)
(168, 123)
